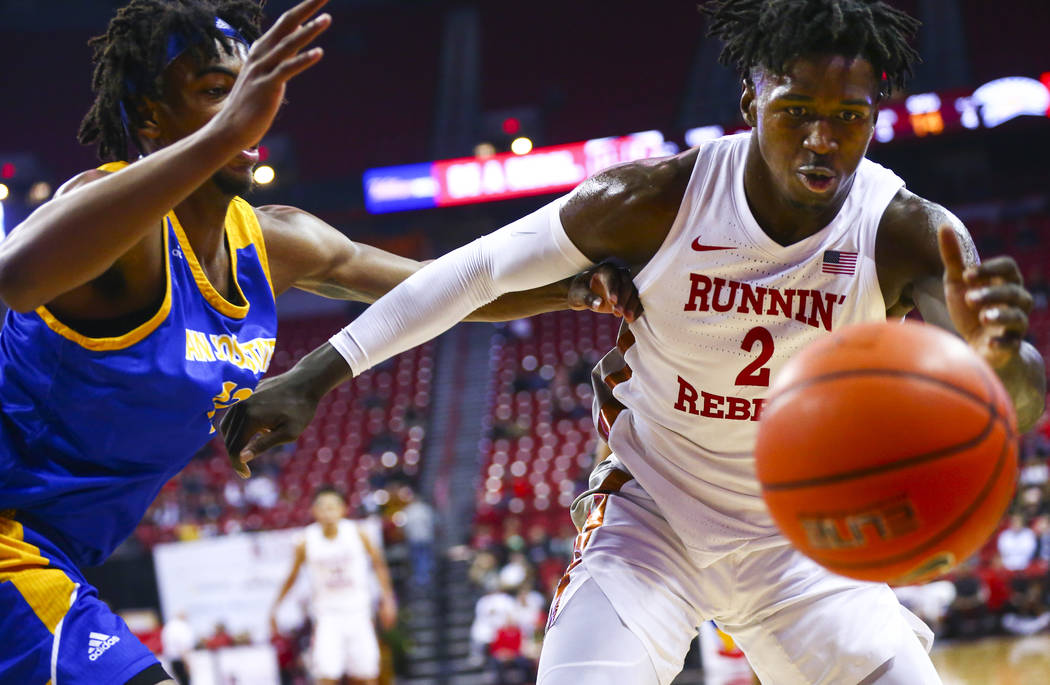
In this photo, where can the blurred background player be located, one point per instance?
(680, 533)
(178, 640)
(341, 559)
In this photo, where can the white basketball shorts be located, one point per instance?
(798, 623)
(345, 645)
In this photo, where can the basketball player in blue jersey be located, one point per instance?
(746, 249)
(143, 303)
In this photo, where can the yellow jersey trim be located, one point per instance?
(128, 339)
(244, 230)
(46, 590)
(207, 290)
(131, 337)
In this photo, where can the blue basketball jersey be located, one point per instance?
(92, 428)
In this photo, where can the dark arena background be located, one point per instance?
(427, 124)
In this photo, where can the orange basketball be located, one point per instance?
(888, 452)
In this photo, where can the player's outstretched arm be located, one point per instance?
(297, 564)
(986, 303)
(309, 254)
(624, 213)
(98, 217)
(387, 600)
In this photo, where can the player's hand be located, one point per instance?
(606, 289)
(275, 58)
(987, 302)
(387, 612)
(278, 412)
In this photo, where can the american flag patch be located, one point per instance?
(836, 262)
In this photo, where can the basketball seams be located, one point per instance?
(945, 532)
(936, 390)
(993, 416)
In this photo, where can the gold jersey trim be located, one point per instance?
(126, 340)
(47, 590)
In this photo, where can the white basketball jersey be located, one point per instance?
(725, 308)
(339, 571)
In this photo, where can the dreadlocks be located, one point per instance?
(131, 56)
(771, 33)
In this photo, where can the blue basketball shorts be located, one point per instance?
(56, 629)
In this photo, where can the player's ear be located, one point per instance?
(749, 103)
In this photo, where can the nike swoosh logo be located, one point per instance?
(707, 248)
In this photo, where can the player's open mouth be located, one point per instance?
(817, 179)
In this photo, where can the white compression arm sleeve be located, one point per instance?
(529, 253)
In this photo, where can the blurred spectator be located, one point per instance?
(531, 615)
(419, 533)
(1016, 544)
(484, 571)
(537, 544)
(1028, 612)
(512, 538)
(515, 572)
(968, 614)
(233, 491)
(490, 613)
(1041, 528)
(177, 641)
(508, 663)
(1035, 471)
(930, 602)
(261, 490)
(996, 579)
(220, 638)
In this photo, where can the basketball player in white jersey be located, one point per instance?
(340, 560)
(745, 249)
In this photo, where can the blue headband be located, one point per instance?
(177, 44)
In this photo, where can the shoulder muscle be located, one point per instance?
(626, 211)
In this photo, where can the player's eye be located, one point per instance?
(796, 111)
(850, 116)
(217, 91)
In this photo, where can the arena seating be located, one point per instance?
(364, 432)
(540, 443)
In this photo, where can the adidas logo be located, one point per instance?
(98, 643)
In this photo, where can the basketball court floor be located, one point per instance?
(995, 661)
(989, 661)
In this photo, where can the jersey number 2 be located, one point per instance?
(754, 373)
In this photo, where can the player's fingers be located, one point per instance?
(602, 284)
(994, 270)
(1010, 294)
(1012, 322)
(294, 42)
(262, 441)
(294, 16)
(626, 290)
(581, 294)
(286, 23)
(298, 64)
(231, 426)
(951, 253)
(1011, 319)
(633, 309)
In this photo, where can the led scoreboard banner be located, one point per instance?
(560, 168)
(499, 177)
